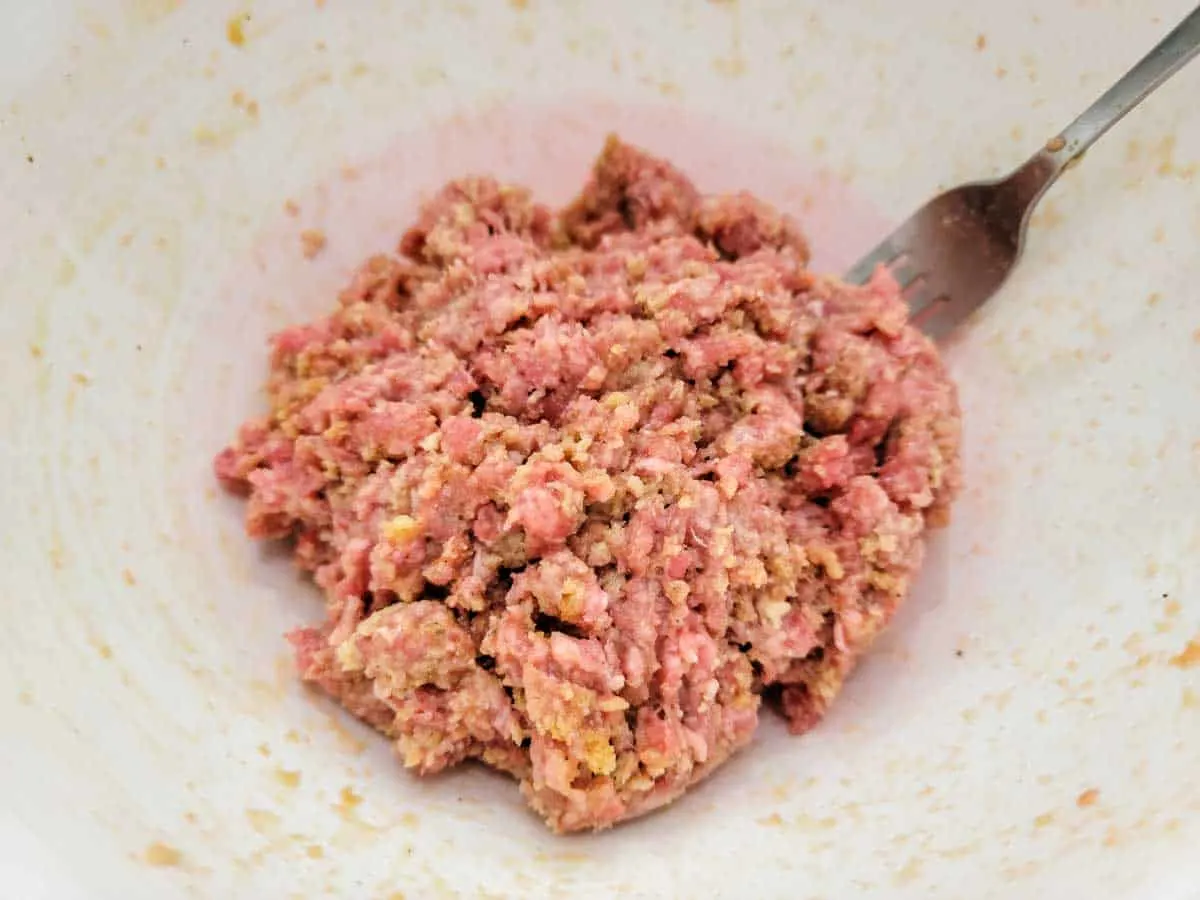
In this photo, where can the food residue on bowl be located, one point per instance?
(235, 30)
(1088, 798)
(1188, 657)
(312, 242)
(160, 854)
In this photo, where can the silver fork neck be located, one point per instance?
(1061, 151)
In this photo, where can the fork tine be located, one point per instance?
(908, 274)
(938, 318)
(862, 271)
(923, 304)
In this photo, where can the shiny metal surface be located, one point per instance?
(956, 251)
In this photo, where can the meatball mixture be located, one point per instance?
(584, 488)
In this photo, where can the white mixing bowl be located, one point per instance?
(1027, 729)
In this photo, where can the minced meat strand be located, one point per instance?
(581, 488)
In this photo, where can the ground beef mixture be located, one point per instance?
(584, 488)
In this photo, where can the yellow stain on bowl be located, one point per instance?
(58, 553)
(1018, 871)
(66, 271)
(805, 822)
(1133, 644)
(960, 852)
(346, 739)
(1049, 216)
(1088, 798)
(148, 12)
(999, 700)
(163, 855)
(1164, 154)
(730, 66)
(349, 799)
(263, 820)
(783, 789)
(265, 691)
(570, 857)
(312, 242)
(1188, 657)
(205, 135)
(235, 30)
(245, 103)
(909, 872)
(1144, 661)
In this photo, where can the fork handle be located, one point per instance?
(1061, 151)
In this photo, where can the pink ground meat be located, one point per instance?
(582, 489)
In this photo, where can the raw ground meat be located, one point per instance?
(583, 488)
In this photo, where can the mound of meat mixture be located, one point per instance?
(582, 488)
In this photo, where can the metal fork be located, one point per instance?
(954, 252)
